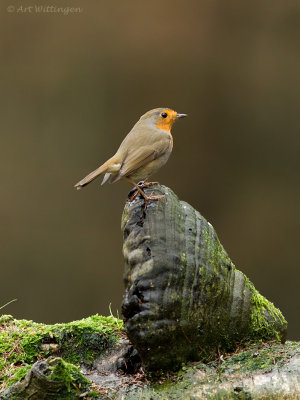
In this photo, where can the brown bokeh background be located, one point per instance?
(73, 85)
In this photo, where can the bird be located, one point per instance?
(145, 149)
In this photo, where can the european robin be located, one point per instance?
(143, 152)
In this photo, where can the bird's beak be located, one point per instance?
(181, 115)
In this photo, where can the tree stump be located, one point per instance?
(185, 299)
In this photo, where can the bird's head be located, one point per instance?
(163, 118)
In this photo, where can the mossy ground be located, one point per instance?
(258, 358)
(23, 342)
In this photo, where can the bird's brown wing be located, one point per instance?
(140, 156)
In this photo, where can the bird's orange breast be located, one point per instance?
(166, 127)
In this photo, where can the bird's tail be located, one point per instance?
(90, 177)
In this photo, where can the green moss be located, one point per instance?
(4, 319)
(259, 358)
(69, 378)
(265, 317)
(22, 342)
(19, 373)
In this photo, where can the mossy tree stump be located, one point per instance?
(185, 300)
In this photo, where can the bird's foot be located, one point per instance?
(156, 197)
(151, 197)
(139, 190)
(146, 198)
(143, 184)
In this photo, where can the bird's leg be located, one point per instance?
(134, 196)
(143, 184)
(137, 192)
(140, 191)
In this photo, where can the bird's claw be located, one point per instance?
(156, 197)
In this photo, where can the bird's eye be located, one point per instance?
(164, 115)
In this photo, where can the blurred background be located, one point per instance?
(72, 86)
